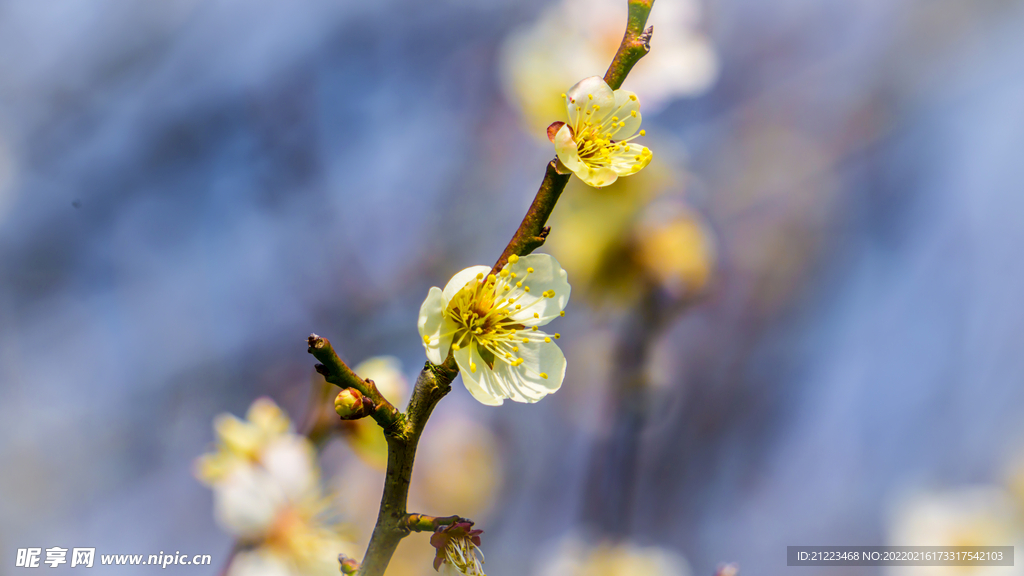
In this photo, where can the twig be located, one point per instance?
(424, 523)
(434, 382)
(532, 231)
(337, 372)
(636, 43)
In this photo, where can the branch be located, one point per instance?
(424, 523)
(636, 43)
(433, 383)
(337, 372)
(532, 231)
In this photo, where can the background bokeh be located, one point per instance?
(189, 188)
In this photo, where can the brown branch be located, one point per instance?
(337, 372)
(433, 383)
(636, 43)
(532, 231)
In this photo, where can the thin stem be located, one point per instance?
(636, 43)
(337, 372)
(433, 383)
(532, 231)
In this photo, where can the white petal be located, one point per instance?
(259, 562)
(547, 275)
(514, 387)
(473, 379)
(624, 109)
(597, 177)
(567, 150)
(539, 358)
(591, 93)
(236, 434)
(246, 503)
(624, 159)
(459, 281)
(431, 324)
(291, 462)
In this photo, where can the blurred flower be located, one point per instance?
(271, 501)
(674, 249)
(242, 442)
(458, 549)
(594, 228)
(727, 570)
(458, 467)
(577, 38)
(365, 436)
(595, 144)
(490, 323)
(973, 516)
(575, 558)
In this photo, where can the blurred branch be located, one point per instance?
(636, 43)
(611, 486)
(337, 372)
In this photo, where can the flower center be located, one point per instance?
(482, 316)
(463, 554)
(593, 137)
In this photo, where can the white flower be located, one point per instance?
(575, 38)
(242, 442)
(458, 550)
(267, 494)
(981, 515)
(490, 322)
(595, 144)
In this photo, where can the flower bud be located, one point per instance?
(350, 404)
(348, 565)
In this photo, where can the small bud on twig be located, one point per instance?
(350, 404)
(348, 565)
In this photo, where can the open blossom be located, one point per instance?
(458, 552)
(242, 442)
(574, 38)
(596, 142)
(267, 494)
(490, 323)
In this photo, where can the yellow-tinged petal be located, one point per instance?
(627, 110)
(591, 94)
(630, 158)
(540, 359)
(431, 323)
(472, 380)
(268, 417)
(567, 150)
(599, 177)
(459, 281)
(549, 289)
